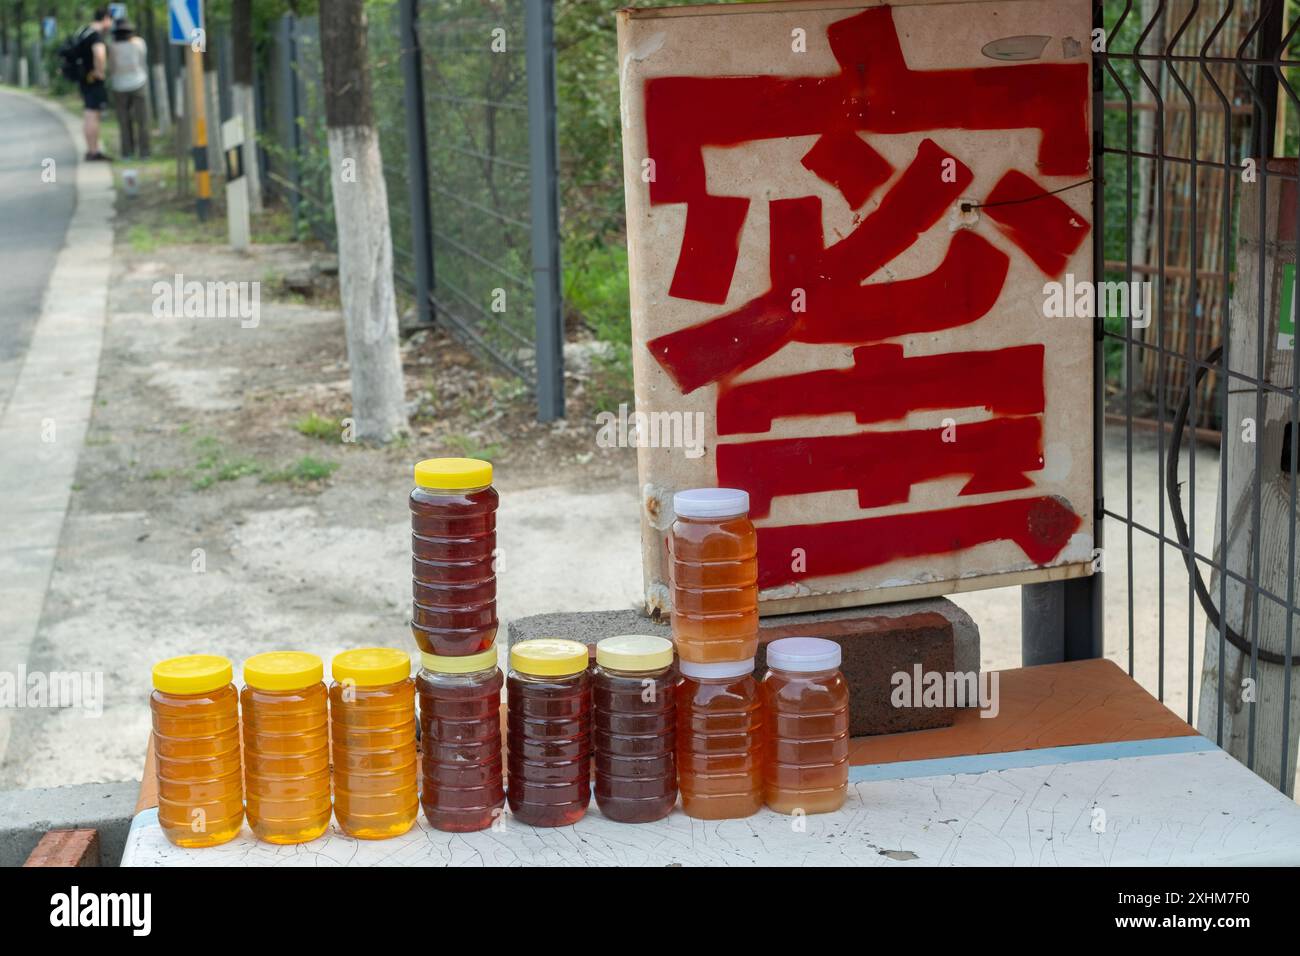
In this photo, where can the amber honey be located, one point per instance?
(720, 740)
(286, 746)
(372, 728)
(714, 575)
(806, 708)
(195, 710)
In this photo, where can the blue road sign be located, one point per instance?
(184, 17)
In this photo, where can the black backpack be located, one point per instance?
(72, 56)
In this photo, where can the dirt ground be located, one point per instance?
(216, 508)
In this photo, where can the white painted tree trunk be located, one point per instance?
(366, 282)
(243, 104)
(162, 112)
(1268, 691)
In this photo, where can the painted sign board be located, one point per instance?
(184, 17)
(845, 224)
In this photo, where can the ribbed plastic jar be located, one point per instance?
(633, 693)
(286, 746)
(372, 728)
(460, 737)
(195, 710)
(549, 732)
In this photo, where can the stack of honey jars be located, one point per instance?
(454, 620)
(740, 745)
(714, 576)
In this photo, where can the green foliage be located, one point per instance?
(316, 426)
(468, 447)
(305, 469)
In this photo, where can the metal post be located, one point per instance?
(1264, 121)
(417, 159)
(295, 134)
(543, 164)
(1042, 623)
(1085, 617)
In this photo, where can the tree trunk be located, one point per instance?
(241, 94)
(1261, 459)
(361, 215)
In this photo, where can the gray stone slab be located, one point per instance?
(592, 626)
(26, 815)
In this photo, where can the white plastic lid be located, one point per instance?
(711, 502)
(717, 668)
(803, 654)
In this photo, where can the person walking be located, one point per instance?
(128, 71)
(89, 59)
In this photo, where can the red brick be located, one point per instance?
(66, 848)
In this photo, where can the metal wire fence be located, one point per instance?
(469, 125)
(1195, 207)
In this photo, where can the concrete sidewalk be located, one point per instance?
(45, 421)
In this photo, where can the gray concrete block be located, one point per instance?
(25, 815)
(591, 626)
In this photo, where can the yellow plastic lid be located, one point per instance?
(453, 473)
(371, 666)
(549, 657)
(192, 674)
(634, 652)
(283, 670)
(442, 664)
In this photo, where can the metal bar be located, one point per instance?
(1230, 374)
(544, 160)
(486, 210)
(1229, 108)
(481, 260)
(500, 160)
(1205, 559)
(417, 160)
(469, 332)
(1083, 626)
(479, 101)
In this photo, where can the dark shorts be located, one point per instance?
(94, 95)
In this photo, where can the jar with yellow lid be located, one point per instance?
(372, 728)
(453, 540)
(460, 738)
(195, 711)
(548, 732)
(286, 746)
(633, 691)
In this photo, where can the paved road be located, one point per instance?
(34, 217)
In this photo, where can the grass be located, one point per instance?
(305, 469)
(215, 464)
(319, 427)
(470, 448)
(166, 226)
(596, 286)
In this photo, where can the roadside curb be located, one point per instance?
(26, 815)
(45, 422)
